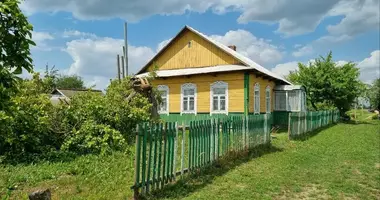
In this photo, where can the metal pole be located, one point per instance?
(118, 66)
(126, 47)
(122, 66)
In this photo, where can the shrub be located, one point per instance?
(91, 117)
(94, 138)
(24, 125)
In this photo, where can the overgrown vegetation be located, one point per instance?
(15, 43)
(31, 128)
(373, 94)
(329, 85)
(91, 123)
(319, 167)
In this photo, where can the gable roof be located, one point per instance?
(71, 92)
(250, 65)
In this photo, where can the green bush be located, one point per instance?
(96, 123)
(91, 123)
(24, 125)
(94, 138)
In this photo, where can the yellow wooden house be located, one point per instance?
(200, 76)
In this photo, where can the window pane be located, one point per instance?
(163, 93)
(191, 104)
(163, 105)
(222, 104)
(188, 92)
(219, 90)
(215, 104)
(185, 104)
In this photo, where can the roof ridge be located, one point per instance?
(245, 60)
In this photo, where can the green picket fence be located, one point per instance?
(165, 151)
(303, 122)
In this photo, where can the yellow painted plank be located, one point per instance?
(235, 82)
(263, 84)
(199, 53)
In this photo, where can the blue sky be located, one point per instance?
(83, 37)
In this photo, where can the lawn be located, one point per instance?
(339, 162)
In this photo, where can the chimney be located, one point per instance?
(233, 47)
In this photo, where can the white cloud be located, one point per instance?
(285, 68)
(360, 16)
(303, 51)
(258, 49)
(370, 67)
(76, 33)
(95, 59)
(293, 17)
(321, 44)
(162, 44)
(41, 38)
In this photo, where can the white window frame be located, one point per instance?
(166, 89)
(276, 94)
(256, 87)
(189, 86)
(268, 98)
(218, 84)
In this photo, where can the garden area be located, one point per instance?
(341, 161)
(84, 148)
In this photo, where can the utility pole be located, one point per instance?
(126, 48)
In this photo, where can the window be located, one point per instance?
(280, 100)
(256, 107)
(294, 101)
(267, 99)
(189, 98)
(163, 108)
(219, 97)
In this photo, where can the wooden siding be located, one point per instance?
(235, 82)
(201, 53)
(263, 84)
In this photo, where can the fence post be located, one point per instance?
(289, 124)
(137, 166)
(305, 128)
(183, 149)
(175, 151)
(265, 128)
(299, 123)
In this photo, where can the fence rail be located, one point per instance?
(167, 150)
(303, 122)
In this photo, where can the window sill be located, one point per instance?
(188, 112)
(219, 112)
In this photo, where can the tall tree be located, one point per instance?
(70, 82)
(328, 84)
(15, 42)
(374, 94)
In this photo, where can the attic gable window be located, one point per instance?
(256, 107)
(219, 97)
(163, 108)
(189, 98)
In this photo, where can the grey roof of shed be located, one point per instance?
(71, 92)
(289, 87)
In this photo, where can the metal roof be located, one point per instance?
(289, 87)
(248, 62)
(200, 70)
(71, 92)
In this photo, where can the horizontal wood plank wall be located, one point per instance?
(200, 53)
(235, 82)
(263, 84)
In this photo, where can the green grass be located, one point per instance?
(361, 114)
(342, 161)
